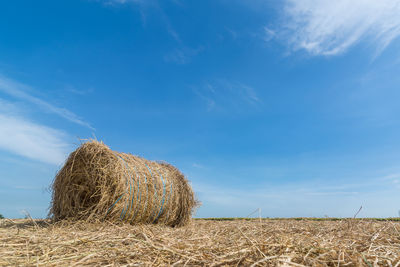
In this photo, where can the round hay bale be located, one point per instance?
(98, 183)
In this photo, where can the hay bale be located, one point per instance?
(98, 183)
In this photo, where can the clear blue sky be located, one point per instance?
(289, 106)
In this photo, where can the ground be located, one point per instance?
(266, 242)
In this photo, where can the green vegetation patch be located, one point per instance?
(298, 219)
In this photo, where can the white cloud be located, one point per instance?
(326, 27)
(269, 34)
(76, 91)
(182, 55)
(223, 95)
(197, 165)
(299, 199)
(124, 1)
(140, 3)
(234, 34)
(178, 56)
(18, 91)
(9, 108)
(31, 140)
(21, 136)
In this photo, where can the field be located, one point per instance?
(222, 242)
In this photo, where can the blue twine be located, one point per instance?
(155, 189)
(133, 194)
(114, 204)
(169, 195)
(109, 209)
(124, 211)
(163, 197)
(138, 197)
(147, 193)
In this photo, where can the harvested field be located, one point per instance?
(202, 243)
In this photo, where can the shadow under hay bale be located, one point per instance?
(98, 183)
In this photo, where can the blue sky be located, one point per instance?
(288, 106)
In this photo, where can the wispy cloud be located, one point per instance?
(22, 136)
(394, 179)
(115, 2)
(182, 55)
(325, 27)
(297, 200)
(269, 34)
(31, 140)
(19, 91)
(234, 34)
(224, 94)
(197, 165)
(334, 193)
(391, 177)
(76, 91)
(8, 107)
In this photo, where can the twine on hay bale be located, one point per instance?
(98, 183)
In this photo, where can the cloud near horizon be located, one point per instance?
(300, 199)
(31, 140)
(324, 27)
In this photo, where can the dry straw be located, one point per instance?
(98, 183)
(203, 243)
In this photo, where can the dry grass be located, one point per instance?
(202, 243)
(97, 183)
